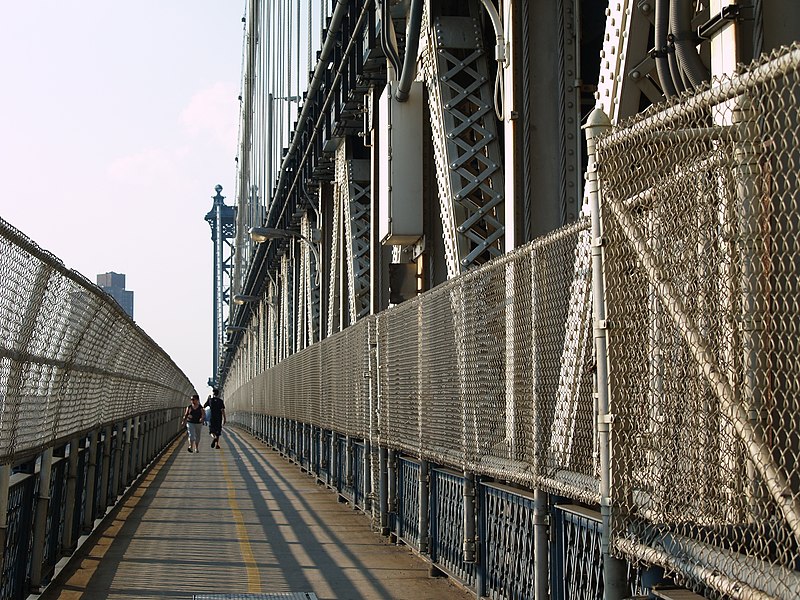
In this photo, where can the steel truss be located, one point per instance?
(469, 167)
(356, 202)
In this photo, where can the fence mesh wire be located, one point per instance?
(70, 358)
(701, 226)
(451, 380)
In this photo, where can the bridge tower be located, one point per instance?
(222, 219)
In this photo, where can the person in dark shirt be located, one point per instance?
(217, 419)
(194, 416)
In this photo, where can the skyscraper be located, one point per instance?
(114, 285)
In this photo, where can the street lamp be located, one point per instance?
(244, 299)
(265, 234)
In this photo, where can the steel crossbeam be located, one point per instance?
(335, 316)
(309, 308)
(358, 230)
(625, 43)
(466, 148)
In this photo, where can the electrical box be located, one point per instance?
(400, 156)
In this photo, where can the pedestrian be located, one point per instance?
(216, 406)
(195, 418)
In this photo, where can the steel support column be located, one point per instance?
(40, 519)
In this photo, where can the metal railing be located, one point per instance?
(87, 399)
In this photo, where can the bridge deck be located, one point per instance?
(239, 521)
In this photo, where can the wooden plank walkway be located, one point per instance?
(240, 521)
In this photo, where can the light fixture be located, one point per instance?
(244, 299)
(265, 234)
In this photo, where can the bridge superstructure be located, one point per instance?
(583, 386)
(525, 284)
(222, 220)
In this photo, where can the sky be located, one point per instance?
(117, 119)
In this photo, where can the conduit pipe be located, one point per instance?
(409, 69)
(662, 58)
(500, 47)
(387, 45)
(680, 23)
(615, 576)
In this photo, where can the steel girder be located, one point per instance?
(469, 167)
(356, 203)
(335, 317)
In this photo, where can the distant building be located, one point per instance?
(114, 285)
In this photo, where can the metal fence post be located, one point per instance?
(614, 574)
(391, 492)
(71, 497)
(115, 474)
(135, 443)
(91, 481)
(106, 468)
(541, 544)
(469, 517)
(383, 491)
(348, 462)
(5, 482)
(333, 467)
(424, 500)
(482, 550)
(126, 453)
(40, 518)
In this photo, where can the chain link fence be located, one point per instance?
(700, 205)
(492, 372)
(70, 358)
(447, 376)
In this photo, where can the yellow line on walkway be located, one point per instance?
(253, 578)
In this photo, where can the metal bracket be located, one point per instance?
(606, 419)
(726, 16)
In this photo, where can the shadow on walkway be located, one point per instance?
(234, 521)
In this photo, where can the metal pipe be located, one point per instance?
(709, 576)
(387, 45)
(137, 458)
(680, 23)
(497, 25)
(662, 59)
(754, 307)
(413, 28)
(333, 467)
(613, 570)
(126, 454)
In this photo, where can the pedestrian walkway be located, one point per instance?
(240, 522)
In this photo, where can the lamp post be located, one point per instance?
(265, 234)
